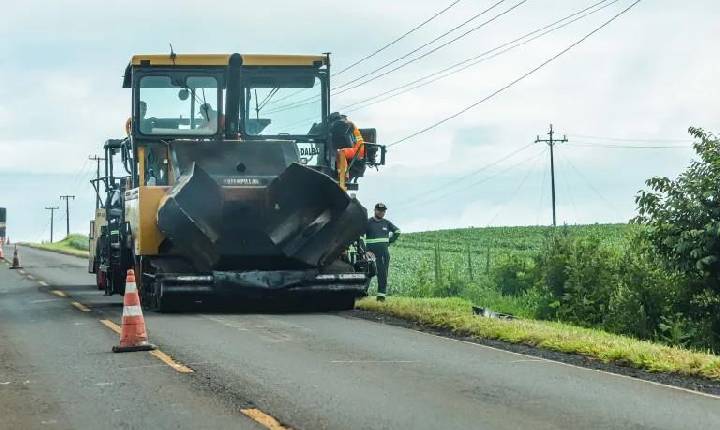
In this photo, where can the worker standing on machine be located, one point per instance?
(380, 233)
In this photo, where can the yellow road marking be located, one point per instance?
(261, 417)
(58, 293)
(157, 353)
(43, 283)
(111, 325)
(170, 362)
(31, 277)
(80, 307)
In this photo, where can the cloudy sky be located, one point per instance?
(639, 82)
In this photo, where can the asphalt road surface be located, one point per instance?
(302, 371)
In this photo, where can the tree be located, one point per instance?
(682, 217)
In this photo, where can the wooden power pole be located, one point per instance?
(98, 160)
(67, 211)
(551, 143)
(52, 210)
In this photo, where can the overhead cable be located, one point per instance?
(512, 83)
(394, 41)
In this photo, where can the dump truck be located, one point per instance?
(230, 183)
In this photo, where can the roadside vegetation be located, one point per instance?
(656, 278)
(455, 314)
(75, 244)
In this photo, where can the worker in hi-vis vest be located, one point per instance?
(380, 233)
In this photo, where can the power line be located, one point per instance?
(566, 186)
(590, 185)
(516, 192)
(462, 178)
(469, 20)
(344, 88)
(619, 139)
(474, 184)
(601, 145)
(542, 195)
(543, 64)
(480, 58)
(394, 41)
(464, 64)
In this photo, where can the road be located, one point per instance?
(305, 371)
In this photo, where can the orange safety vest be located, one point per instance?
(359, 145)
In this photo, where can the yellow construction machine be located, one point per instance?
(232, 185)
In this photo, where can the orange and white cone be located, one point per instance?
(133, 336)
(16, 260)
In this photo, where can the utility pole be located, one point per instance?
(52, 210)
(98, 160)
(67, 211)
(551, 143)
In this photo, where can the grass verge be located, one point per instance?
(75, 244)
(455, 314)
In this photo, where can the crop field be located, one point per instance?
(454, 259)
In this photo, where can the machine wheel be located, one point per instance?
(100, 279)
(152, 301)
(114, 283)
(146, 288)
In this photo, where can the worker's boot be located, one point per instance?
(380, 297)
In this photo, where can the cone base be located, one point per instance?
(145, 347)
(16, 267)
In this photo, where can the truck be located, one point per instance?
(233, 183)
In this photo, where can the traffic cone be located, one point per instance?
(16, 260)
(133, 336)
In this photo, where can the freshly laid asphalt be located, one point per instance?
(308, 371)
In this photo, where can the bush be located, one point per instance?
(645, 296)
(512, 275)
(576, 276)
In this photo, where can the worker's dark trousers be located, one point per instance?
(382, 260)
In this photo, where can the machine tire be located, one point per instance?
(152, 301)
(100, 279)
(165, 304)
(115, 283)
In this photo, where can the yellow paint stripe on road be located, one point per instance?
(58, 293)
(79, 306)
(43, 283)
(264, 419)
(111, 325)
(157, 353)
(170, 362)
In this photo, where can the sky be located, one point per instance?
(642, 80)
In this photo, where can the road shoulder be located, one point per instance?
(699, 384)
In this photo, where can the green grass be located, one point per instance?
(455, 314)
(412, 256)
(467, 257)
(75, 244)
